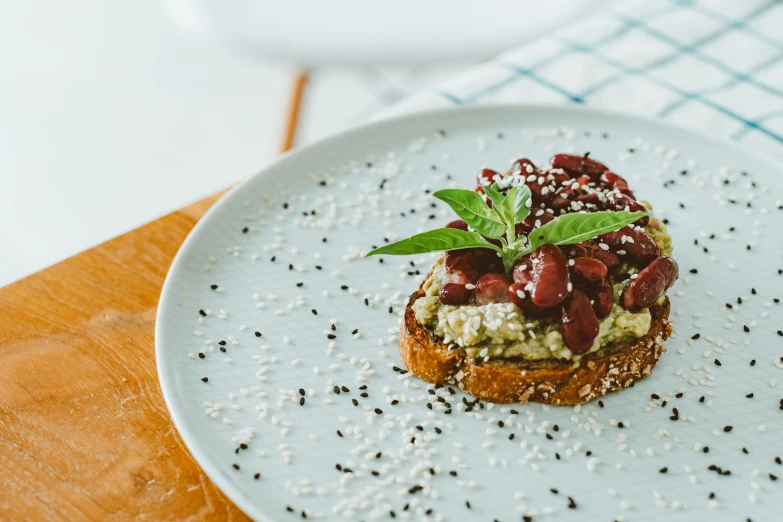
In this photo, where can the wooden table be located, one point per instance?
(84, 431)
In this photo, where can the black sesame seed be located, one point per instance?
(331, 336)
(355, 402)
(257, 476)
(222, 349)
(695, 336)
(554, 491)
(728, 428)
(205, 379)
(453, 473)
(745, 451)
(663, 470)
(201, 355)
(345, 389)
(745, 328)
(314, 311)
(203, 313)
(258, 334)
(753, 362)
(244, 230)
(717, 362)
(236, 466)
(339, 433)
(213, 287)
(299, 285)
(749, 396)
(302, 401)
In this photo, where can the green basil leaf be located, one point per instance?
(573, 228)
(473, 210)
(515, 204)
(494, 195)
(434, 241)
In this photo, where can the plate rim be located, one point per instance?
(187, 434)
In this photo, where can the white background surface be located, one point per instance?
(109, 118)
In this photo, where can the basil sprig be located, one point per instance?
(474, 211)
(498, 223)
(436, 240)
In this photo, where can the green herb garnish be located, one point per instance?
(498, 223)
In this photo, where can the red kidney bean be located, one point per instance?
(649, 284)
(588, 269)
(454, 290)
(517, 294)
(485, 177)
(590, 202)
(455, 294)
(602, 297)
(459, 224)
(523, 271)
(542, 188)
(614, 182)
(523, 167)
(527, 226)
(570, 192)
(473, 262)
(578, 324)
(550, 277)
(618, 201)
(609, 259)
(576, 166)
(640, 246)
(491, 288)
(520, 297)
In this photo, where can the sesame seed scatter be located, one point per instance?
(283, 340)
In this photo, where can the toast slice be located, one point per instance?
(517, 380)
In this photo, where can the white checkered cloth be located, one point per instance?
(712, 65)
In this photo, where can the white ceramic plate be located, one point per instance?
(610, 472)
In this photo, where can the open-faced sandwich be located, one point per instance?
(552, 288)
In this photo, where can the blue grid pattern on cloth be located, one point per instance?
(712, 65)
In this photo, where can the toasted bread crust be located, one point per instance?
(550, 381)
